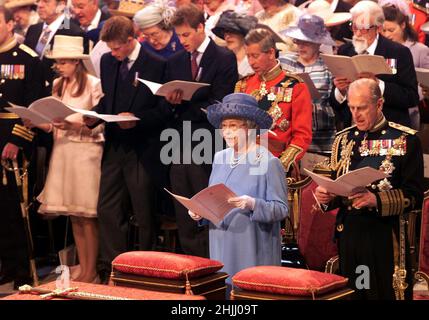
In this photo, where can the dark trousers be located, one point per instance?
(123, 176)
(367, 241)
(14, 263)
(187, 180)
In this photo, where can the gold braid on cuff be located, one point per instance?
(393, 202)
(289, 156)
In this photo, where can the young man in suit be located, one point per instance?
(40, 36)
(399, 90)
(130, 146)
(201, 61)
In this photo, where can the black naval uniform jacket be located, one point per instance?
(366, 236)
(21, 82)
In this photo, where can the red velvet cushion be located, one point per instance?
(424, 238)
(316, 231)
(288, 281)
(164, 265)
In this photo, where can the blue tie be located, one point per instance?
(123, 69)
(41, 44)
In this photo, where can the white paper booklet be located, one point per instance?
(44, 110)
(187, 87)
(349, 183)
(350, 67)
(51, 109)
(210, 203)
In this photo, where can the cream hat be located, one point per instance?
(153, 14)
(324, 10)
(67, 47)
(12, 4)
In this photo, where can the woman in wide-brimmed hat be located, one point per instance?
(250, 234)
(233, 27)
(309, 35)
(73, 179)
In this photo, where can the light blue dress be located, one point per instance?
(250, 238)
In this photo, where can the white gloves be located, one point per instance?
(243, 202)
(194, 216)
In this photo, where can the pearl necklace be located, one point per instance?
(236, 161)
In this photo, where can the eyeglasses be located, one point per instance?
(362, 30)
(152, 36)
(301, 42)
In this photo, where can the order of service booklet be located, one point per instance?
(51, 109)
(349, 183)
(350, 67)
(210, 203)
(187, 87)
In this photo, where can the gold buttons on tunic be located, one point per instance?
(14, 53)
(340, 227)
(356, 133)
(383, 132)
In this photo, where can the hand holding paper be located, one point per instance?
(188, 88)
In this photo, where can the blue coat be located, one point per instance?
(250, 238)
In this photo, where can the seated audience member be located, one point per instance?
(308, 36)
(24, 15)
(158, 35)
(399, 89)
(250, 234)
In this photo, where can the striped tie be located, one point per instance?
(40, 48)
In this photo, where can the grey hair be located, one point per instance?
(262, 37)
(368, 9)
(369, 84)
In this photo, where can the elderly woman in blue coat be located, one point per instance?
(249, 235)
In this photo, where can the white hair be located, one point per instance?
(363, 11)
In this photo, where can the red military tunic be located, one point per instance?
(287, 99)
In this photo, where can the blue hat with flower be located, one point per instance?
(238, 105)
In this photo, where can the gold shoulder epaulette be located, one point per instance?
(241, 84)
(295, 76)
(402, 128)
(345, 130)
(30, 51)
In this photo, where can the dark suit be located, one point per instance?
(129, 154)
(400, 91)
(66, 29)
(219, 69)
(94, 34)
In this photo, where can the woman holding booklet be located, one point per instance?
(74, 171)
(250, 234)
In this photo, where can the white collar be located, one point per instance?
(203, 46)
(94, 22)
(55, 25)
(135, 53)
(373, 46)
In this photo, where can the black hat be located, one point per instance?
(231, 21)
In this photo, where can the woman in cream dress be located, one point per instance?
(73, 178)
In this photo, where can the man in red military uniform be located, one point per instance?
(283, 95)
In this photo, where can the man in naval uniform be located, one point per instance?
(368, 222)
(283, 95)
(21, 82)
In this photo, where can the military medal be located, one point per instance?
(271, 96)
(384, 185)
(263, 89)
(392, 64)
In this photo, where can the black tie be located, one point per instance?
(123, 69)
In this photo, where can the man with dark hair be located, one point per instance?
(201, 61)
(21, 83)
(284, 96)
(370, 226)
(130, 151)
